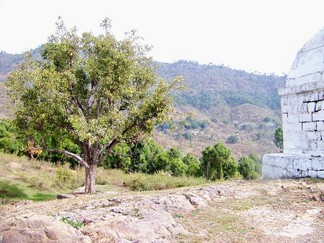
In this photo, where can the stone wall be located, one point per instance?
(302, 107)
(303, 119)
(292, 166)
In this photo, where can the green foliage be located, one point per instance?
(211, 85)
(119, 158)
(9, 140)
(63, 175)
(192, 163)
(203, 100)
(102, 92)
(8, 190)
(278, 138)
(232, 139)
(250, 167)
(188, 136)
(160, 181)
(74, 223)
(217, 163)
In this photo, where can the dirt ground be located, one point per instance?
(261, 211)
(236, 211)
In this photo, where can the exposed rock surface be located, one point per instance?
(155, 216)
(37, 228)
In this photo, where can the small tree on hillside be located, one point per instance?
(95, 90)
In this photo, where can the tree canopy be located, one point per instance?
(96, 91)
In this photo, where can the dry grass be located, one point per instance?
(280, 213)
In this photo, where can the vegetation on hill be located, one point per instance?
(234, 107)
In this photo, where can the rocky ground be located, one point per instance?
(239, 211)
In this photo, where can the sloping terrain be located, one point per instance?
(236, 104)
(248, 211)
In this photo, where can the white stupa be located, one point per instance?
(302, 107)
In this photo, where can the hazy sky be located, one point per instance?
(253, 35)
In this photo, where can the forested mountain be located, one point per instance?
(218, 103)
(208, 85)
(240, 109)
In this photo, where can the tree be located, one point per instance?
(192, 163)
(95, 90)
(216, 161)
(250, 167)
(9, 138)
(279, 138)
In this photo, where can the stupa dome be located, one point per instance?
(308, 65)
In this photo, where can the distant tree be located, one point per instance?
(216, 161)
(95, 90)
(278, 138)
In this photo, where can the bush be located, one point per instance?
(9, 142)
(193, 168)
(188, 136)
(249, 167)
(63, 175)
(232, 139)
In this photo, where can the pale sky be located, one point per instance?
(251, 35)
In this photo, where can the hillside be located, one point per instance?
(242, 109)
(235, 107)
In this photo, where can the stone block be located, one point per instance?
(304, 107)
(312, 174)
(320, 174)
(305, 117)
(309, 126)
(314, 97)
(293, 118)
(286, 108)
(318, 116)
(317, 164)
(318, 105)
(311, 107)
(313, 146)
(313, 136)
(320, 126)
(321, 95)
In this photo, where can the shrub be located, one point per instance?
(249, 167)
(193, 168)
(159, 181)
(74, 223)
(63, 175)
(232, 139)
(177, 167)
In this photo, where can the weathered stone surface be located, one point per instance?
(38, 229)
(302, 115)
(294, 166)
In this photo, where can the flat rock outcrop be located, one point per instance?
(163, 216)
(38, 228)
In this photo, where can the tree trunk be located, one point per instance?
(90, 179)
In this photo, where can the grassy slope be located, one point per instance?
(38, 180)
